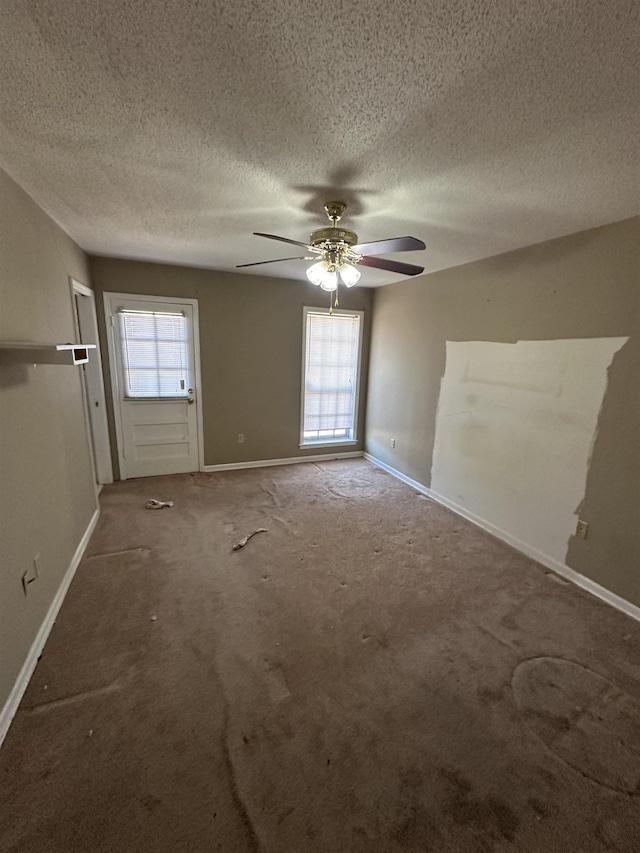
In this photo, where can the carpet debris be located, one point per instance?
(143, 552)
(75, 698)
(154, 618)
(155, 504)
(244, 541)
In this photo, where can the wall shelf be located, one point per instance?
(17, 352)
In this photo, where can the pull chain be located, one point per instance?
(333, 300)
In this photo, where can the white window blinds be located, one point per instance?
(154, 353)
(331, 376)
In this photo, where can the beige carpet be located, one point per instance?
(371, 675)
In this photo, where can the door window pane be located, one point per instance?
(154, 354)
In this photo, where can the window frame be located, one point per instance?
(123, 362)
(331, 442)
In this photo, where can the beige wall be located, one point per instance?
(581, 292)
(47, 495)
(251, 352)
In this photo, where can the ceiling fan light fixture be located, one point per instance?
(330, 281)
(317, 272)
(321, 274)
(349, 274)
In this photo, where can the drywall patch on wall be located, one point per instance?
(514, 431)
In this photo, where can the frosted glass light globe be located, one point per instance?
(316, 272)
(321, 274)
(330, 281)
(349, 274)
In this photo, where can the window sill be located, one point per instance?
(329, 443)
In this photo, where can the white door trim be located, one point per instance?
(96, 420)
(115, 378)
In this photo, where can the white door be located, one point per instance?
(154, 368)
(87, 329)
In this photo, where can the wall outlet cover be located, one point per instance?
(582, 528)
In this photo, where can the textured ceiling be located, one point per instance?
(171, 130)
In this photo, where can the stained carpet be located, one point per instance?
(373, 674)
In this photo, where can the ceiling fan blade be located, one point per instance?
(392, 266)
(274, 261)
(281, 239)
(381, 247)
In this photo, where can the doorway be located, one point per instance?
(154, 360)
(84, 310)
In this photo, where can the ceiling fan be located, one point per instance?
(337, 253)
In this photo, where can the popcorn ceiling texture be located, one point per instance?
(171, 131)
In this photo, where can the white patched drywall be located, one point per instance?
(514, 431)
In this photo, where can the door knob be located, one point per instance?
(190, 399)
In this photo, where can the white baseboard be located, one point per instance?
(291, 460)
(530, 551)
(399, 475)
(11, 705)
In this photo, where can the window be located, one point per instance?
(331, 348)
(154, 354)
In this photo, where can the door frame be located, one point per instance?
(116, 380)
(93, 388)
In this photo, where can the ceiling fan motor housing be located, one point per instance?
(333, 235)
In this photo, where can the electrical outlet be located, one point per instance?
(393, 442)
(582, 528)
(240, 438)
